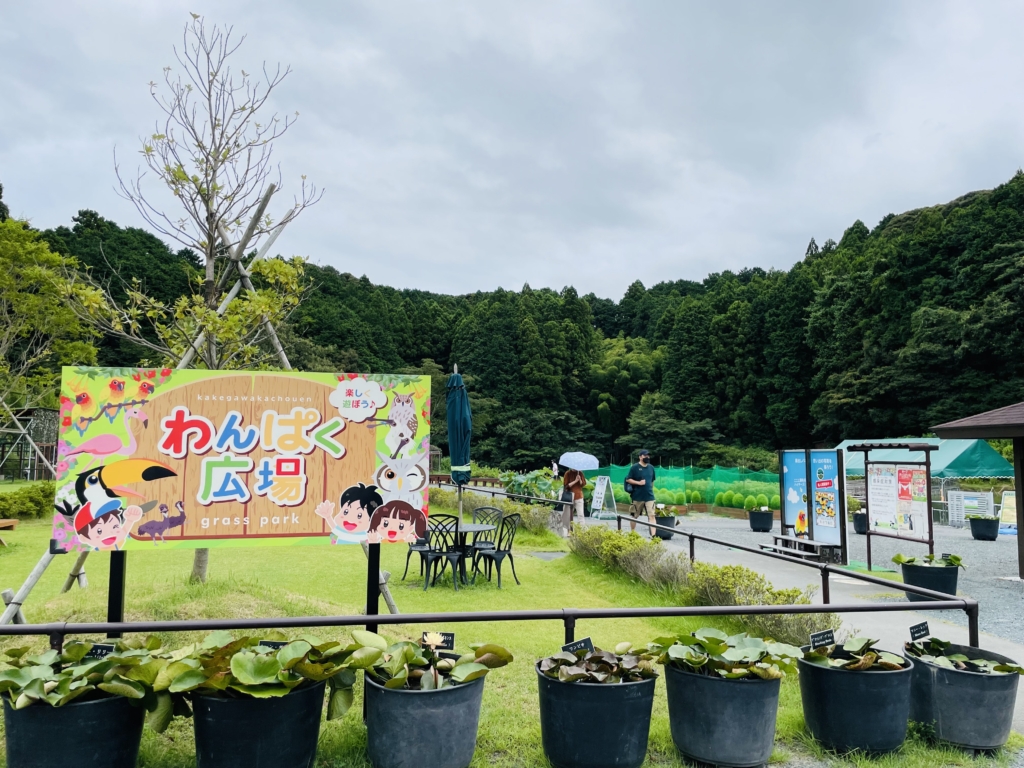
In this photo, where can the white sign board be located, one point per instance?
(898, 500)
(1008, 511)
(602, 502)
(963, 503)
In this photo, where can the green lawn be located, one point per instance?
(280, 582)
(6, 486)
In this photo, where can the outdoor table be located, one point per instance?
(464, 530)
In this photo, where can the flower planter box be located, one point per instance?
(941, 578)
(719, 721)
(969, 709)
(103, 733)
(243, 732)
(761, 522)
(415, 729)
(668, 521)
(860, 523)
(984, 529)
(847, 710)
(589, 725)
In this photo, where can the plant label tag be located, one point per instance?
(275, 644)
(823, 638)
(580, 645)
(919, 630)
(100, 650)
(447, 641)
(945, 556)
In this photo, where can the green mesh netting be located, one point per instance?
(710, 489)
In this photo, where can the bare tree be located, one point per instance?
(213, 151)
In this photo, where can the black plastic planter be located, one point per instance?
(856, 710)
(761, 522)
(668, 521)
(103, 733)
(940, 578)
(985, 528)
(258, 733)
(719, 721)
(969, 709)
(414, 729)
(589, 725)
(860, 523)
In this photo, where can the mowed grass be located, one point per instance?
(6, 486)
(331, 581)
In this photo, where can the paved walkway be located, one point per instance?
(1001, 617)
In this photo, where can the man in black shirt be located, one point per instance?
(641, 484)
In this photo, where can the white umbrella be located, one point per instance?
(579, 460)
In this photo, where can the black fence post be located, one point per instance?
(693, 548)
(825, 598)
(373, 585)
(618, 521)
(115, 589)
(570, 628)
(972, 625)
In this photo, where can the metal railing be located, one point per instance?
(966, 604)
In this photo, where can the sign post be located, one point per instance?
(602, 502)
(898, 499)
(812, 490)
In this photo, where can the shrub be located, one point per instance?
(761, 500)
(535, 519)
(621, 497)
(34, 500)
(776, 502)
(727, 498)
(695, 497)
(720, 500)
(682, 498)
(749, 503)
(700, 583)
(739, 500)
(853, 504)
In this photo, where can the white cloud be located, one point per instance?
(465, 146)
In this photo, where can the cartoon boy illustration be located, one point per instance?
(355, 506)
(396, 521)
(106, 526)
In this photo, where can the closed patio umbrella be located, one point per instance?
(460, 430)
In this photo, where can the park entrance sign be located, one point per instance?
(192, 458)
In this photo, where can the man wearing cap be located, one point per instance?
(640, 482)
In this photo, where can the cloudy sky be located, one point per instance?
(467, 145)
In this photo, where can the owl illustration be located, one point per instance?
(404, 422)
(402, 479)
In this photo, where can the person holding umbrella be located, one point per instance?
(573, 483)
(640, 484)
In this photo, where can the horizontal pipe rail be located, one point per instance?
(483, 490)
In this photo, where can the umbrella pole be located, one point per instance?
(460, 502)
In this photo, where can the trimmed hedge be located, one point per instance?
(761, 500)
(749, 503)
(775, 503)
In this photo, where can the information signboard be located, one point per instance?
(192, 458)
(827, 502)
(898, 500)
(1008, 508)
(794, 491)
(963, 503)
(602, 501)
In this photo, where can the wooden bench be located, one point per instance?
(803, 548)
(7, 525)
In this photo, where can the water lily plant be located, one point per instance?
(711, 652)
(857, 654)
(598, 666)
(939, 562)
(250, 667)
(421, 667)
(940, 653)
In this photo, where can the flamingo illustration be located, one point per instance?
(102, 446)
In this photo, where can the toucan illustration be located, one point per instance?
(100, 493)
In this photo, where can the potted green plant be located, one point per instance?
(856, 697)
(665, 516)
(761, 520)
(101, 700)
(723, 694)
(966, 695)
(984, 527)
(256, 701)
(422, 705)
(595, 707)
(931, 572)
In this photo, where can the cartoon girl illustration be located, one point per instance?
(355, 507)
(396, 521)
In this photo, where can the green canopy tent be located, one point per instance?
(953, 459)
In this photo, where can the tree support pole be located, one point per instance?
(77, 574)
(14, 607)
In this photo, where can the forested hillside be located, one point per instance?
(884, 333)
